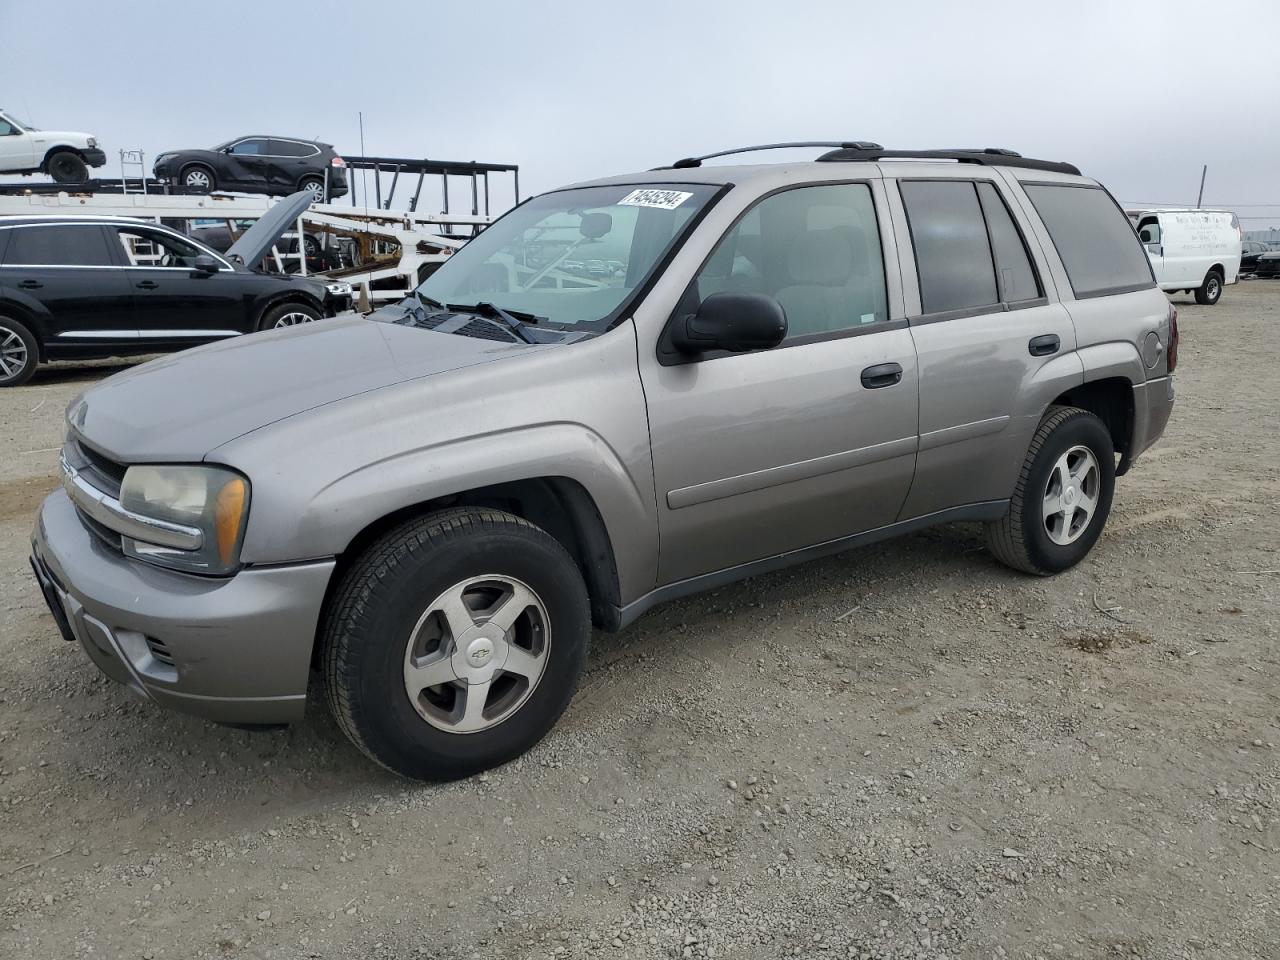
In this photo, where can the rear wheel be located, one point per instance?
(19, 353)
(315, 186)
(67, 167)
(288, 315)
(1062, 498)
(1210, 292)
(455, 642)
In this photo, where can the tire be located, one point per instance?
(66, 166)
(197, 178)
(1025, 539)
(372, 643)
(1210, 292)
(288, 315)
(19, 353)
(315, 185)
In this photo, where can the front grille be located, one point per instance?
(103, 472)
(104, 535)
(160, 651)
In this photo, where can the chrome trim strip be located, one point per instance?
(99, 334)
(788, 473)
(962, 432)
(142, 334)
(109, 512)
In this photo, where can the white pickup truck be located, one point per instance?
(64, 155)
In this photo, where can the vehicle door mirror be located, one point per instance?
(204, 265)
(736, 322)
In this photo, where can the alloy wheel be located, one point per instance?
(197, 179)
(1071, 495)
(293, 319)
(13, 354)
(477, 654)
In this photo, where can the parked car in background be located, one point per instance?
(276, 166)
(64, 155)
(434, 505)
(339, 252)
(1267, 266)
(1250, 251)
(1191, 251)
(84, 287)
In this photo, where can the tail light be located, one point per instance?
(337, 162)
(1172, 355)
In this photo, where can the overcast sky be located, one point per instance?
(1138, 94)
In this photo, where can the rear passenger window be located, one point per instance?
(1013, 266)
(72, 245)
(816, 250)
(953, 255)
(291, 148)
(1094, 238)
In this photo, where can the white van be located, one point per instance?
(1192, 251)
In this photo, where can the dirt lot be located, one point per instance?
(907, 751)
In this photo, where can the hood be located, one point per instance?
(179, 408)
(256, 242)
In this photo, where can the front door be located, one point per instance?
(763, 453)
(247, 165)
(984, 333)
(64, 274)
(1152, 238)
(174, 303)
(17, 152)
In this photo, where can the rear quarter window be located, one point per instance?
(1096, 241)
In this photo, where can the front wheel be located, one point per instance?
(455, 642)
(1062, 498)
(67, 167)
(198, 179)
(1210, 292)
(288, 315)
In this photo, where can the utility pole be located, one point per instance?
(1203, 170)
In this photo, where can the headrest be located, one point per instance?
(821, 258)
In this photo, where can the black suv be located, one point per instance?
(78, 288)
(259, 164)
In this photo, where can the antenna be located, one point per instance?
(1203, 173)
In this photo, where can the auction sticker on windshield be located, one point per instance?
(662, 199)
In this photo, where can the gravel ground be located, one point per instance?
(907, 751)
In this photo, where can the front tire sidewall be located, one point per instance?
(1211, 292)
(1082, 429)
(67, 167)
(388, 726)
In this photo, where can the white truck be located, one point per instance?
(65, 155)
(1191, 251)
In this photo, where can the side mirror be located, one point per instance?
(736, 322)
(204, 264)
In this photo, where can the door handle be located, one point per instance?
(1044, 346)
(146, 285)
(881, 375)
(29, 284)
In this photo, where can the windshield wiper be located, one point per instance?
(513, 320)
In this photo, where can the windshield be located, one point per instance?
(20, 123)
(570, 258)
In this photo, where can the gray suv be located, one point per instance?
(434, 505)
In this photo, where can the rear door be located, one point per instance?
(65, 277)
(174, 303)
(758, 454)
(984, 331)
(289, 162)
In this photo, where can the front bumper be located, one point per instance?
(94, 157)
(234, 650)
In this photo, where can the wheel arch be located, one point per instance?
(559, 505)
(28, 318)
(59, 148)
(280, 299)
(1110, 399)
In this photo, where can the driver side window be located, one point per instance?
(7, 129)
(816, 250)
(1149, 231)
(144, 248)
(250, 148)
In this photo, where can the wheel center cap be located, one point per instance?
(1069, 495)
(479, 651)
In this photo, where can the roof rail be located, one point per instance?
(987, 156)
(688, 162)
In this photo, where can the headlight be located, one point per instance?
(92, 141)
(339, 289)
(211, 500)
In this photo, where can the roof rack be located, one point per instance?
(688, 162)
(987, 156)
